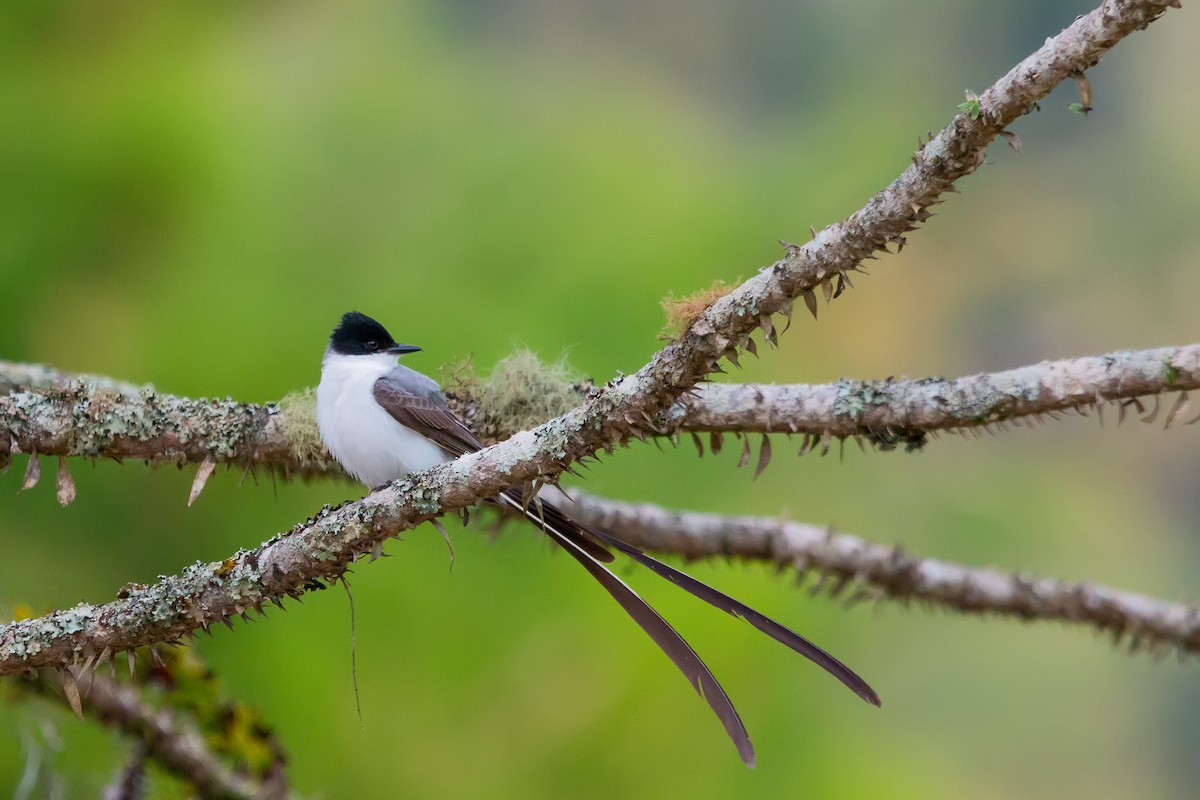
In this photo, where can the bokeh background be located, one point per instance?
(192, 194)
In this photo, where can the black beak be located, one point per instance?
(401, 349)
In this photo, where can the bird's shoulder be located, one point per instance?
(402, 381)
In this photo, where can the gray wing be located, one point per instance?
(416, 402)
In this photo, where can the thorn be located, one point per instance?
(787, 315)
(71, 691)
(1085, 90)
(88, 663)
(1176, 409)
(528, 493)
(764, 456)
(768, 327)
(810, 300)
(33, 472)
(64, 483)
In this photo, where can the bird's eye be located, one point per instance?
(372, 345)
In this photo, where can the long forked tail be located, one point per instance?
(666, 637)
(770, 627)
(546, 515)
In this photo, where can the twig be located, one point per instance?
(15, 376)
(86, 417)
(167, 737)
(895, 408)
(865, 571)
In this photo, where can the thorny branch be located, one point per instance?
(321, 549)
(848, 564)
(17, 377)
(893, 409)
(73, 419)
(164, 734)
(54, 413)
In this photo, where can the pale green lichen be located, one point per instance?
(37, 635)
(425, 497)
(523, 392)
(855, 397)
(298, 424)
(100, 416)
(1171, 372)
(87, 420)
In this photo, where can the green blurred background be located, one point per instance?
(192, 194)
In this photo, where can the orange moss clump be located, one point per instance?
(682, 311)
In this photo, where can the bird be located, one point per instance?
(382, 420)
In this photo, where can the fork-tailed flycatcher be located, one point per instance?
(382, 420)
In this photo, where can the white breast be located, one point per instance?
(365, 439)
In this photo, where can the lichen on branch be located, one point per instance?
(522, 392)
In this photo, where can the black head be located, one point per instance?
(359, 335)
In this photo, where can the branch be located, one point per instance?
(72, 419)
(323, 548)
(16, 377)
(165, 735)
(903, 408)
(55, 413)
(887, 573)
